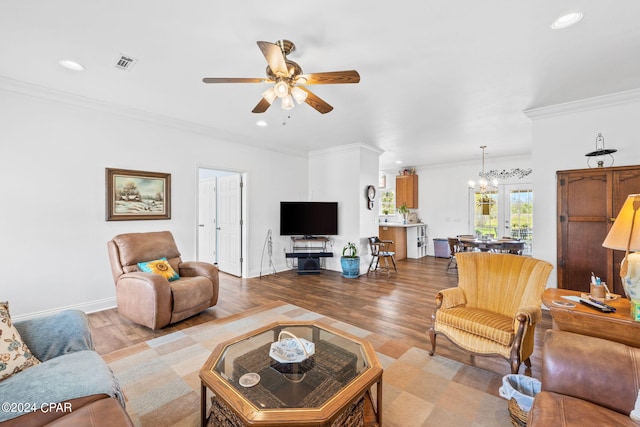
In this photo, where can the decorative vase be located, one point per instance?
(350, 267)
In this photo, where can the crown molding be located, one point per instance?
(609, 100)
(358, 146)
(41, 92)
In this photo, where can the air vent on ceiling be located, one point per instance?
(125, 62)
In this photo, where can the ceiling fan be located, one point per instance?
(288, 80)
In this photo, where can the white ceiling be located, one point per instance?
(438, 78)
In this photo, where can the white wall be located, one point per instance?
(562, 135)
(342, 174)
(369, 161)
(53, 157)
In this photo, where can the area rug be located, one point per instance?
(160, 377)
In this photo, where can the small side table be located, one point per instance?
(584, 320)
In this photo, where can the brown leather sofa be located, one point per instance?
(91, 411)
(150, 299)
(586, 381)
(71, 386)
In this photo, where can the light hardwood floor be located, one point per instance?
(398, 308)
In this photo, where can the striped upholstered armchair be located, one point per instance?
(495, 307)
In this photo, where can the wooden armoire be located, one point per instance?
(588, 202)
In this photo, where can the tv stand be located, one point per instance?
(309, 252)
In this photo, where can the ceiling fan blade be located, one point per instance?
(275, 58)
(331, 77)
(262, 106)
(232, 80)
(316, 102)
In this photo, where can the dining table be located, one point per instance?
(514, 246)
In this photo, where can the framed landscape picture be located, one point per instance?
(135, 195)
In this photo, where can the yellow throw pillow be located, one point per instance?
(14, 353)
(159, 266)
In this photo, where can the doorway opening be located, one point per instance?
(506, 212)
(220, 227)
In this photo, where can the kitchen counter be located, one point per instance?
(409, 240)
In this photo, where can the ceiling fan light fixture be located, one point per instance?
(287, 102)
(281, 89)
(298, 94)
(269, 95)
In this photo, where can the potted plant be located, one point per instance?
(404, 211)
(350, 261)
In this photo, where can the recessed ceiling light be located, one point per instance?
(71, 65)
(398, 162)
(261, 123)
(567, 20)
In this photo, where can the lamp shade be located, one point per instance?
(625, 232)
(281, 88)
(287, 102)
(298, 94)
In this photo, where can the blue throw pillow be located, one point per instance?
(159, 266)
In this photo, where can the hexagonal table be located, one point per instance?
(326, 389)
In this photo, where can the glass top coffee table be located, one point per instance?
(253, 385)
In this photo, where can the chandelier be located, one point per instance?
(504, 174)
(489, 180)
(484, 184)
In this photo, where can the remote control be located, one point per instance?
(597, 305)
(602, 304)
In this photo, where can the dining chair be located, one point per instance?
(454, 247)
(379, 250)
(462, 246)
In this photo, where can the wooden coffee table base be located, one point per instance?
(222, 415)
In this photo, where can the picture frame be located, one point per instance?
(137, 195)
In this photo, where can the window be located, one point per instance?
(387, 203)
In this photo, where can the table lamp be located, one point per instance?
(625, 236)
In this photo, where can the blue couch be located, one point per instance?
(72, 386)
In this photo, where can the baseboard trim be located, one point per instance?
(87, 307)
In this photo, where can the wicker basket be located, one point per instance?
(516, 414)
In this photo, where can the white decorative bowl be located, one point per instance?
(291, 350)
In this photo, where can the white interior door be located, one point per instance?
(207, 221)
(230, 224)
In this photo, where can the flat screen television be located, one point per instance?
(308, 219)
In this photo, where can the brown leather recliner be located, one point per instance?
(586, 381)
(150, 299)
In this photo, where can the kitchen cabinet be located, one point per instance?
(587, 202)
(407, 191)
(409, 240)
(398, 235)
